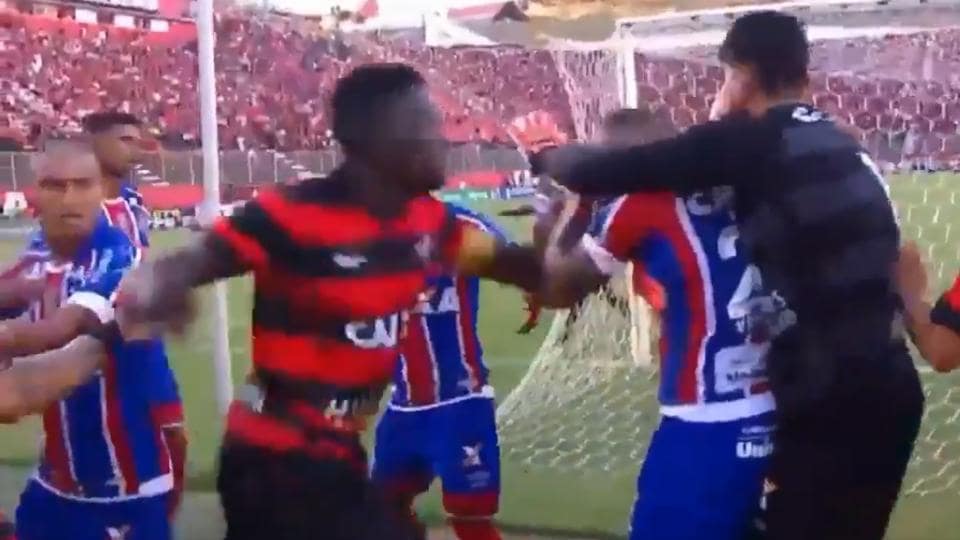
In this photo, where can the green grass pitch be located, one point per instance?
(583, 504)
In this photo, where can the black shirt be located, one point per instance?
(816, 217)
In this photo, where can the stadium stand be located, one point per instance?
(898, 91)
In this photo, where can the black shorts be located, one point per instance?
(291, 496)
(836, 472)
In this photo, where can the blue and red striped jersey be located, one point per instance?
(441, 356)
(946, 312)
(128, 213)
(104, 441)
(716, 325)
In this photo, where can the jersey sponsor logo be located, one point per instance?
(472, 455)
(442, 300)
(354, 404)
(374, 333)
(740, 367)
(751, 449)
(345, 260)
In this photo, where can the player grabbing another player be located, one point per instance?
(815, 214)
(105, 468)
(335, 262)
(441, 420)
(935, 330)
(704, 470)
(537, 133)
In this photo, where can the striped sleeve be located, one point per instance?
(248, 232)
(946, 312)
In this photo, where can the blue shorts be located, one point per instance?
(456, 442)
(43, 515)
(702, 480)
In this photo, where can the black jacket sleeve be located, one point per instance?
(728, 152)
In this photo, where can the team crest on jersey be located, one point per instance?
(472, 455)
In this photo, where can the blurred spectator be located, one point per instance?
(899, 93)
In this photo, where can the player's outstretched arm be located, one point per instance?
(512, 264)
(17, 292)
(935, 330)
(570, 267)
(23, 338)
(160, 290)
(88, 309)
(31, 383)
(719, 153)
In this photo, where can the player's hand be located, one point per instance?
(535, 132)
(548, 208)
(20, 291)
(565, 164)
(147, 298)
(911, 273)
(722, 103)
(132, 330)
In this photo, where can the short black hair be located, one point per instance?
(360, 98)
(639, 117)
(646, 124)
(774, 44)
(99, 122)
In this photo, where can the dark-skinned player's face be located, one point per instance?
(408, 143)
(118, 148)
(69, 192)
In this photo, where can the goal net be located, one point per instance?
(588, 401)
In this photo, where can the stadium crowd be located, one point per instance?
(898, 91)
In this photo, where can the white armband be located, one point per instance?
(100, 306)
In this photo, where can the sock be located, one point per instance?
(475, 529)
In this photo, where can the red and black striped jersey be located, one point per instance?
(946, 312)
(331, 285)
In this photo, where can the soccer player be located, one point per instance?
(441, 420)
(814, 215)
(703, 473)
(105, 468)
(335, 263)
(935, 330)
(117, 140)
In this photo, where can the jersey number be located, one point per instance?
(739, 367)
